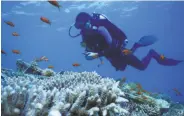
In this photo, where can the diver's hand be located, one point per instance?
(91, 55)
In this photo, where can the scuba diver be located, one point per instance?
(101, 38)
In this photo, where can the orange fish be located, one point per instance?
(9, 23)
(126, 51)
(16, 51)
(139, 93)
(144, 91)
(3, 52)
(45, 20)
(177, 92)
(55, 3)
(50, 66)
(75, 64)
(139, 86)
(162, 57)
(15, 34)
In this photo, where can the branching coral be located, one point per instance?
(74, 94)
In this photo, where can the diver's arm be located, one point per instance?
(108, 39)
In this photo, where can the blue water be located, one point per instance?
(136, 19)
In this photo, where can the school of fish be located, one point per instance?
(16, 34)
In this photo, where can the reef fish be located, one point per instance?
(15, 34)
(9, 23)
(75, 64)
(177, 92)
(162, 57)
(50, 66)
(3, 52)
(44, 19)
(16, 51)
(55, 3)
(44, 58)
(139, 92)
(126, 52)
(139, 86)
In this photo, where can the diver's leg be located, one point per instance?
(144, 41)
(135, 46)
(118, 62)
(163, 60)
(143, 64)
(138, 64)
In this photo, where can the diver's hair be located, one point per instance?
(83, 17)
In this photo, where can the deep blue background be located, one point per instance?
(163, 19)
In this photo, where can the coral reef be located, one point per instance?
(142, 102)
(72, 93)
(175, 110)
(46, 93)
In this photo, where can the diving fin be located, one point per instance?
(144, 41)
(147, 40)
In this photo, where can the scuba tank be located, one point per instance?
(118, 36)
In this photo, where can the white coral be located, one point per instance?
(54, 113)
(162, 103)
(73, 93)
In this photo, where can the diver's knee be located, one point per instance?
(142, 68)
(152, 51)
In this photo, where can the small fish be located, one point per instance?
(3, 52)
(76, 64)
(126, 51)
(15, 34)
(162, 57)
(42, 58)
(9, 23)
(55, 3)
(44, 19)
(177, 92)
(139, 93)
(16, 51)
(50, 66)
(139, 86)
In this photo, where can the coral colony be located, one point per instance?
(32, 91)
